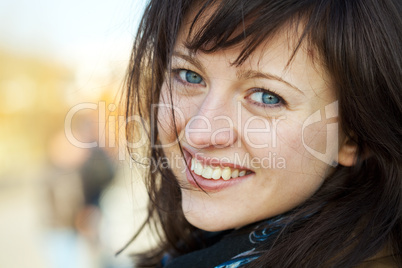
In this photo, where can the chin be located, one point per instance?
(214, 223)
(208, 226)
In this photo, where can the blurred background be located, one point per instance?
(68, 196)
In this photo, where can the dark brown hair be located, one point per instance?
(359, 43)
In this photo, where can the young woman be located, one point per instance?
(274, 130)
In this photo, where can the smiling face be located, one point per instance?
(246, 131)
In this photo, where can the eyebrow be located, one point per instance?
(190, 59)
(249, 74)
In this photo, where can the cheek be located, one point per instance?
(308, 148)
(260, 133)
(314, 137)
(289, 135)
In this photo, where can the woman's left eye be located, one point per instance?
(265, 98)
(190, 77)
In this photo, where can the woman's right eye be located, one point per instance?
(190, 77)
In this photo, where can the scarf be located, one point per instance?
(233, 249)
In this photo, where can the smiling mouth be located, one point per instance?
(216, 173)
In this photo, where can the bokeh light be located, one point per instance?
(55, 55)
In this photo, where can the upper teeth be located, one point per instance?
(216, 173)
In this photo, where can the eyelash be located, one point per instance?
(176, 75)
(255, 90)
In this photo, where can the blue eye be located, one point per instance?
(190, 77)
(265, 98)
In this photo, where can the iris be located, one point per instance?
(268, 98)
(265, 97)
(190, 77)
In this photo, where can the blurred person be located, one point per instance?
(74, 188)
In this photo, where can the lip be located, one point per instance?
(211, 185)
(214, 162)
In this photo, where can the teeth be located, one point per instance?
(216, 173)
(198, 168)
(207, 172)
(192, 163)
(226, 173)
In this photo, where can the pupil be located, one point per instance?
(193, 78)
(269, 99)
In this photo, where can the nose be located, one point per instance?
(213, 125)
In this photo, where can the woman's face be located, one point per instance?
(258, 138)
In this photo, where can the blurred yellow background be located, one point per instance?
(54, 56)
